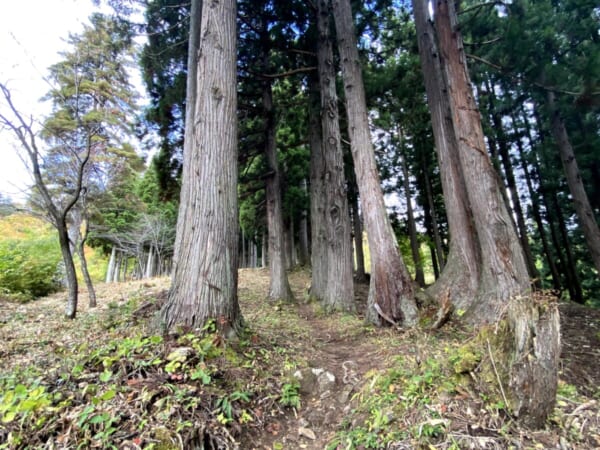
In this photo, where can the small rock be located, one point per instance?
(307, 433)
(307, 380)
(345, 394)
(315, 381)
(326, 381)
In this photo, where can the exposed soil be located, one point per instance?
(580, 332)
(350, 357)
(309, 339)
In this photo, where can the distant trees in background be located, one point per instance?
(509, 94)
(534, 91)
(82, 143)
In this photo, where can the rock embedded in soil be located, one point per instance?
(315, 382)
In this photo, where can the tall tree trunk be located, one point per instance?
(279, 287)
(83, 235)
(244, 251)
(110, 270)
(503, 270)
(459, 280)
(435, 228)
(511, 184)
(339, 287)
(263, 250)
(359, 254)
(537, 216)
(318, 230)
(576, 188)
(148, 273)
(253, 253)
(554, 217)
(204, 284)
(117, 271)
(569, 265)
(412, 227)
(391, 296)
(70, 273)
(293, 254)
(434, 261)
(303, 254)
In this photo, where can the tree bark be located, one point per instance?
(537, 216)
(279, 287)
(318, 229)
(555, 217)
(111, 265)
(581, 202)
(435, 229)
(511, 184)
(412, 227)
(303, 254)
(70, 272)
(503, 272)
(204, 283)
(83, 235)
(459, 279)
(391, 296)
(339, 285)
(534, 363)
(359, 254)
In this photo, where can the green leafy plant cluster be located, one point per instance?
(290, 394)
(29, 268)
(135, 384)
(408, 387)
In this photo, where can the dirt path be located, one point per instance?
(349, 355)
(333, 354)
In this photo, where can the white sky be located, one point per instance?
(32, 32)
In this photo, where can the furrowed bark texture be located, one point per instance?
(460, 275)
(503, 272)
(339, 289)
(391, 296)
(533, 374)
(318, 230)
(204, 284)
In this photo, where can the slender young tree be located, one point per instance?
(204, 281)
(391, 295)
(92, 102)
(57, 210)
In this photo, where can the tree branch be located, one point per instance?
(508, 72)
(283, 74)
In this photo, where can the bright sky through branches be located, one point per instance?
(32, 32)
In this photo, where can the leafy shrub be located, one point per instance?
(29, 267)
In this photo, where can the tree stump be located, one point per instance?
(534, 324)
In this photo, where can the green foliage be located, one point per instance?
(29, 268)
(290, 394)
(409, 386)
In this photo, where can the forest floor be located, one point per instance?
(298, 378)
